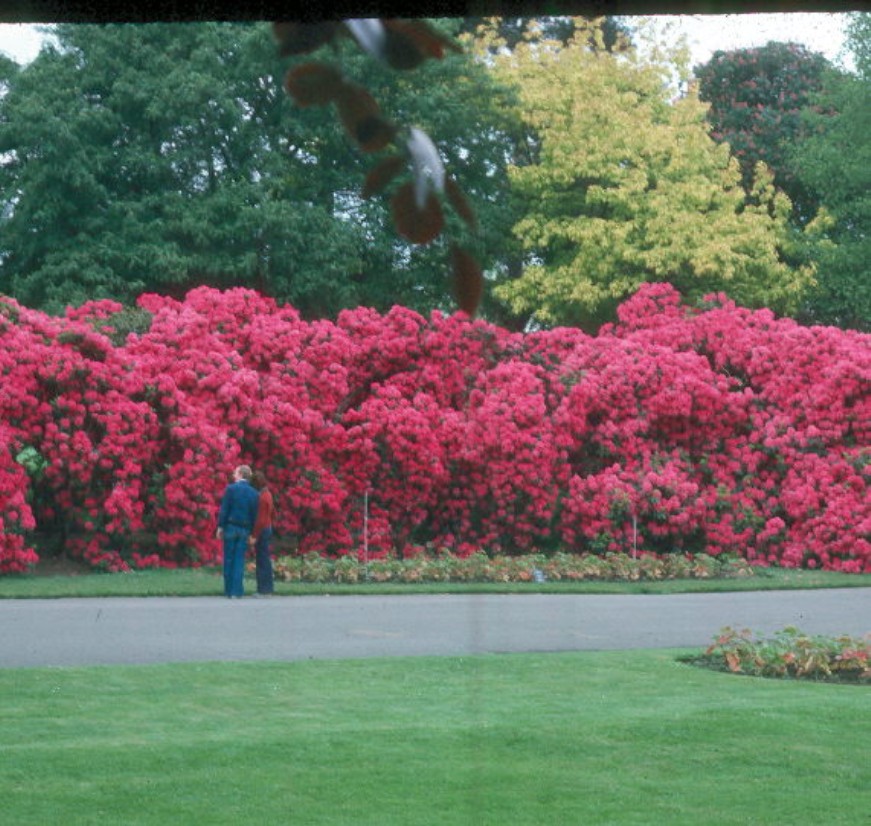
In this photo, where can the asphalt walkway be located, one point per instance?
(66, 632)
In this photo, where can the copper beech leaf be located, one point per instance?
(382, 174)
(301, 38)
(361, 117)
(420, 225)
(468, 280)
(409, 42)
(375, 134)
(313, 84)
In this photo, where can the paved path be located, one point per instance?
(62, 632)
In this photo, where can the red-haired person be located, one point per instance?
(261, 536)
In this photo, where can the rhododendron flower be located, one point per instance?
(717, 429)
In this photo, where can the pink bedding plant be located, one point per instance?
(711, 429)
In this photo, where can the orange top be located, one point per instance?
(265, 507)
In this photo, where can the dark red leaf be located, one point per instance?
(401, 52)
(374, 133)
(418, 225)
(468, 280)
(300, 38)
(382, 174)
(410, 42)
(313, 84)
(355, 103)
(362, 119)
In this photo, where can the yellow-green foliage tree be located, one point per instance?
(624, 186)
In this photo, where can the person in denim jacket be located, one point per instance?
(235, 522)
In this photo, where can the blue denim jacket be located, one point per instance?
(238, 506)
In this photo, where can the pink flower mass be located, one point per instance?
(717, 430)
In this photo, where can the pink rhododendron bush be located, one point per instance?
(715, 430)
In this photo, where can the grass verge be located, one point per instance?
(208, 582)
(593, 738)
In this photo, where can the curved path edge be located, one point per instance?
(119, 630)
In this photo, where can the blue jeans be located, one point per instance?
(235, 546)
(265, 583)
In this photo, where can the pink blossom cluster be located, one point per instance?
(716, 429)
(16, 516)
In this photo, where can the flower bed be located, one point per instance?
(790, 654)
(479, 567)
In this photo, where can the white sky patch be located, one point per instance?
(20, 41)
(707, 33)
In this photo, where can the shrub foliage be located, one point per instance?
(708, 429)
(790, 653)
(481, 567)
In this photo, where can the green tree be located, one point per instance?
(626, 187)
(835, 161)
(157, 157)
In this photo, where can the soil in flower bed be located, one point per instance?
(61, 566)
(841, 677)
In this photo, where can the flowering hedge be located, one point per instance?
(713, 429)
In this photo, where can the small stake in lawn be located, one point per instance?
(366, 531)
(634, 534)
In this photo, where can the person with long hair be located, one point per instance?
(261, 536)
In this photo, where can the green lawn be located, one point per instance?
(578, 738)
(203, 582)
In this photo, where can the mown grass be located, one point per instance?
(592, 738)
(208, 582)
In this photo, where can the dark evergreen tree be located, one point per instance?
(162, 156)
